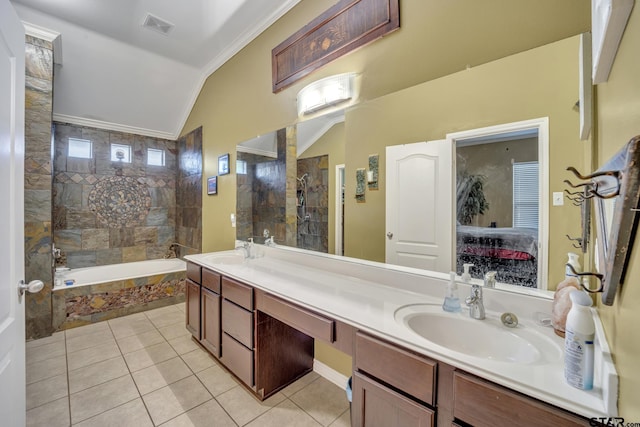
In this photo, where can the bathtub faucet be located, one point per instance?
(171, 252)
(56, 254)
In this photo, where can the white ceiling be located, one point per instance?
(116, 74)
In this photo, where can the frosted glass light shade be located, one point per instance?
(325, 93)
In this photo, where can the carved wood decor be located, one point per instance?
(344, 27)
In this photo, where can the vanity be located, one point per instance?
(413, 364)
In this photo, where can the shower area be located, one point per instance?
(96, 198)
(283, 194)
(312, 198)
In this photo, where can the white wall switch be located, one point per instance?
(558, 198)
(233, 219)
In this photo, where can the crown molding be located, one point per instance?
(259, 152)
(42, 33)
(81, 121)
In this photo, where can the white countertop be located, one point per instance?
(367, 295)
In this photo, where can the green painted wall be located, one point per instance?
(618, 120)
(436, 39)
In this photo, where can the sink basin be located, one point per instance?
(486, 339)
(226, 259)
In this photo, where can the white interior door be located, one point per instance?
(12, 334)
(419, 205)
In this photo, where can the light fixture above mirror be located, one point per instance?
(325, 93)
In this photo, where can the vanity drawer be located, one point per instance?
(238, 323)
(306, 321)
(194, 272)
(238, 359)
(481, 403)
(211, 280)
(237, 292)
(414, 374)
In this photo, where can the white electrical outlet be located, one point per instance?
(233, 219)
(558, 198)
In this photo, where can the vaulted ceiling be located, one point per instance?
(115, 73)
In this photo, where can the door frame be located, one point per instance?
(542, 126)
(339, 216)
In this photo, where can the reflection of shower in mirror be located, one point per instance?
(301, 198)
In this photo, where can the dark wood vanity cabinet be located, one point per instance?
(192, 298)
(481, 403)
(210, 301)
(392, 386)
(237, 329)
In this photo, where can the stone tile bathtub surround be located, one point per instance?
(82, 305)
(108, 212)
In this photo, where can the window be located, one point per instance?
(525, 194)
(155, 157)
(241, 167)
(80, 148)
(121, 153)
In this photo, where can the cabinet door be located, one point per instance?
(193, 308)
(375, 405)
(210, 317)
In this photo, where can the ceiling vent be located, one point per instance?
(159, 25)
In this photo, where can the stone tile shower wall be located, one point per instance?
(312, 205)
(260, 197)
(109, 212)
(189, 193)
(37, 184)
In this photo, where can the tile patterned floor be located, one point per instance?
(144, 370)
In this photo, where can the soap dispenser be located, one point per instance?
(466, 277)
(451, 299)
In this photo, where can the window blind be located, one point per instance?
(525, 194)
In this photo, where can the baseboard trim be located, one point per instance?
(330, 374)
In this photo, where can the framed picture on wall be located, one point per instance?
(223, 164)
(212, 185)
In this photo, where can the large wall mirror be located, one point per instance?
(284, 182)
(515, 232)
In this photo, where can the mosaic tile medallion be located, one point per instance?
(119, 201)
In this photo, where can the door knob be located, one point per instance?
(33, 287)
(390, 235)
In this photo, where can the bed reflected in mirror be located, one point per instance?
(497, 206)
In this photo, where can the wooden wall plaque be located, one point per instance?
(344, 27)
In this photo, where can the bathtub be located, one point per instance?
(130, 270)
(109, 291)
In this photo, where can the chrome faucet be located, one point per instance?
(247, 247)
(490, 279)
(475, 304)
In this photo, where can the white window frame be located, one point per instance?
(78, 142)
(160, 151)
(128, 155)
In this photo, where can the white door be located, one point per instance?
(419, 205)
(12, 335)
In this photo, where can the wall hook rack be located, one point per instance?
(575, 239)
(589, 274)
(612, 176)
(618, 181)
